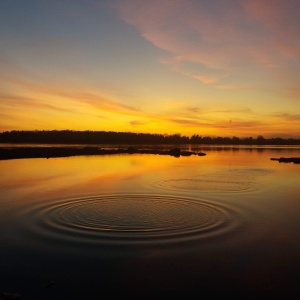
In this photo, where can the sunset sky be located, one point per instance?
(207, 67)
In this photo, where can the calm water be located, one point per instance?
(152, 227)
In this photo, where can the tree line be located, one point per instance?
(112, 137)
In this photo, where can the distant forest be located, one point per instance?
(111, 137)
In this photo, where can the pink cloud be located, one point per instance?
(224, 36)
(206, 79)
(280, 16)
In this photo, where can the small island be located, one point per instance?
(295, 160)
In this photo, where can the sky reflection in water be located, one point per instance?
(149, 225)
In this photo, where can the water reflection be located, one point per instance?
(224, 224)
(124, 219)
(229, 180)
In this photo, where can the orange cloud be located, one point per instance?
(294, 92)
(204, 78)
(10, 101)
(60, 106)
(80, 95)
(288, 117)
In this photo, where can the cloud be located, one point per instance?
(10, 101)
(195, 110)
(189, 69)
(236, 86)
(104, 103)
(83, 100)
(80, 95)
(293, 92)
(188, 122)
(279, 16)
(287, 117)
(138, 123)
(240, 124)
(204, 78)
(239, 110)
(223, 36)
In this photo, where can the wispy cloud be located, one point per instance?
(226, 36)
(104, 103)
(287, 117)
(236, 86)
(238, 110)
(79, 95)
(189, 122)
(240, 124)
(138, 123)
(12, 101)
(204, 78)
(43, 105)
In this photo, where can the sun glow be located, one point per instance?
(181, 67)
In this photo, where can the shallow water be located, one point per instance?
(147, 226)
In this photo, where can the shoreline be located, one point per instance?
(51, 152)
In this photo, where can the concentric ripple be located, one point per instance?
(231, 180)
(129, 219)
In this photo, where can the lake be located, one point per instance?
(152, 227)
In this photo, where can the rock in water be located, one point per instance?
(11, 296)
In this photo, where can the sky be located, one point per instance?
(208, 67)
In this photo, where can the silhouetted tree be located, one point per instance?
(112, 137)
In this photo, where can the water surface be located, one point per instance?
(148, 226)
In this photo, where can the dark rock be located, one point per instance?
(186, 153)
(295, 160)
(11, 296)
(49, 284)
(201, 154)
